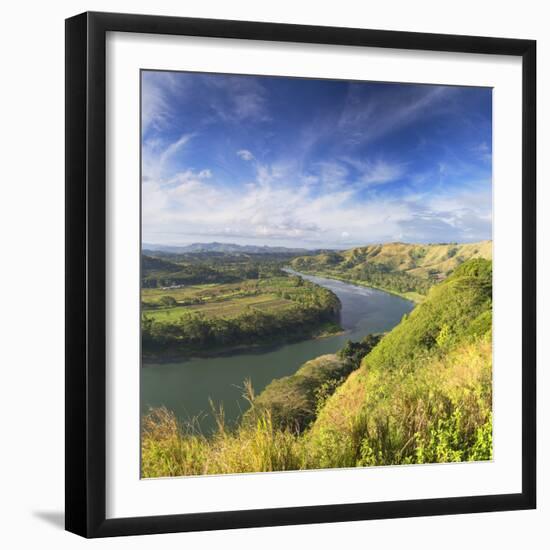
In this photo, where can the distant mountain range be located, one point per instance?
(227, 248)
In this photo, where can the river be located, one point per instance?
(185, 386)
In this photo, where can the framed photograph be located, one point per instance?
(300, 274)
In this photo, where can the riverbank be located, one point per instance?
(265, 312)
(414, 297)
(185, 385)
(170, 356)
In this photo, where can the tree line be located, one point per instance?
(313, 307)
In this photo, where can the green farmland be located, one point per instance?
(225, 308)
(194, 318)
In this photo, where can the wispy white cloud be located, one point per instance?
(157, 89)
(483, 151)
(231, 98)
(365, 118)
(452, 214)
(245, 154)
(277, 209)
(157, 155)
(332, 174)
(323, 182)
(381, 172)
(154, 106)
(377, 171)
(174, 147)
(237, 99)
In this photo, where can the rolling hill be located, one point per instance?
(424, 392)
(406, 269)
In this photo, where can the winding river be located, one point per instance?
(185, 386)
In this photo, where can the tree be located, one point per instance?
(168, 301)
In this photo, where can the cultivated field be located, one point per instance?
(196, 318)
(223, 307)
(220, 300)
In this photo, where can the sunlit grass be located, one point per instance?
(170, 449)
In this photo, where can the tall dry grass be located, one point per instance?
(171, 449)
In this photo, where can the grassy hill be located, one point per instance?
(294, 401)
(422, 394)
(406, 269)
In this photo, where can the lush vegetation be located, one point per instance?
(293, 401)
(173, 270)
(269, 308)
(169, 449)
(421, 394)
(406, 269)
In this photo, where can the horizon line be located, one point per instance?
(145, 245)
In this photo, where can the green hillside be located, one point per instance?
(423, 394)
(294, 401)
(406, 269)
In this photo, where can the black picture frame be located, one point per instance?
(86, 264)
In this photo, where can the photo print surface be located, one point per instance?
(316, 274)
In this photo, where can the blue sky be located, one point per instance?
(313, 163)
